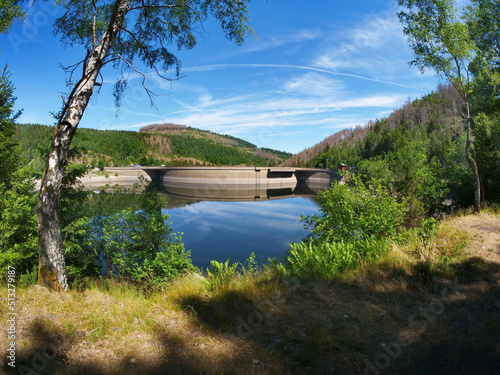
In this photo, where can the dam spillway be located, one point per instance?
(240, 183)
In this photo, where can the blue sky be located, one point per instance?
(312, 69)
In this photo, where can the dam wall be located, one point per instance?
(240, 183)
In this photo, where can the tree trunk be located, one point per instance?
(472, 164)
(52, 268)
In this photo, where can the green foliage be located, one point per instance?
(18, 226)
(34, 141)
(209, 151)
(281, 154)
(29, 278)
(487, 154)
(9, 153)
(10, 10)
(251, 265)
(332, 260)
(221, 274)
(18, 222)
(440, 41)
(483, 24)
(356, 210)
(135, 243)
(165, 265)
(412, 177)
(428, 230)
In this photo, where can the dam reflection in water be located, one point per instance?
(230, 220)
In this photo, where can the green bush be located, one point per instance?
(356, 210)
(135, 243)
(165, 265)
(411, 177)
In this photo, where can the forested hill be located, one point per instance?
(166, 144)
(434, 123)
(430, 116)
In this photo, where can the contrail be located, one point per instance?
(287, 66)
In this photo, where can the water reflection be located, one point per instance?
(224, 230)
(240, 183)
(233, 192)
(227, 213)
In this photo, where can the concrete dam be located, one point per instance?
(240, 183)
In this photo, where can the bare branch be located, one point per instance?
(150, 93)
(145, 51)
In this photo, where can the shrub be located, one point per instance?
(134, 243)
(356, 210)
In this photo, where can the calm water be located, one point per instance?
(215, 230)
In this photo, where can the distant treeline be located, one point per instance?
(101, 148)
(160, 127)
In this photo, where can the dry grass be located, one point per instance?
(419, 310)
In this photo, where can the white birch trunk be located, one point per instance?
(52, 268)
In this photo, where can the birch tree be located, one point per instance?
(116, 32)
(441, 42)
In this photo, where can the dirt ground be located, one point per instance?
(485, 229)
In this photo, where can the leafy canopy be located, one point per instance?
(9, 11)
(151, 30)
(440, 41)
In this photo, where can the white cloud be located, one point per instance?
(375, 47)
(309, 99)
(313, 84)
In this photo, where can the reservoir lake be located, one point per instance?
(222, 230)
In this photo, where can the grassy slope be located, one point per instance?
(399, 315)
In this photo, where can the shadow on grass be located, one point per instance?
(422, 323)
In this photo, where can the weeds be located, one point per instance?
(333, 260)
(221, 275)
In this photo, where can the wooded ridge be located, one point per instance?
(435, 122)
(167, 144)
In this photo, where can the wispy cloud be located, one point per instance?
(330, 80)
(376, 46)
(273, 42)
(284, 109)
